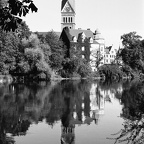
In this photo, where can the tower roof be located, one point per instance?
(63, 3)
(71, 2)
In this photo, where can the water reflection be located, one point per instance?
(133, 114)
(71, 102)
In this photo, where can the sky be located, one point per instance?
(113, 18)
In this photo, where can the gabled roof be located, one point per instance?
(66, 31)
(76, 32)
(95, 42)
(108, 49)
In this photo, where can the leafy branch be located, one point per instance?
(11, 12)
(133, 132)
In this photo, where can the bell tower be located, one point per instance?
(68, 14)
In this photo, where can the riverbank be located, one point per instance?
(9, 79)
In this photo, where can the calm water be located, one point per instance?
(72, 112)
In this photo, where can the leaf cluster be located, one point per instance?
(110, 71)
(56, 49)
(132, 53)
(12, 10)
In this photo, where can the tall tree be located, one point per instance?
(132, 52)
(35, 58)
(9, 51)
(56, 48)
(12, 48)
(97, 58)
(130, 40)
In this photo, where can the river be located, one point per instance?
(72, 112)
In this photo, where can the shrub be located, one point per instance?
(111, 71)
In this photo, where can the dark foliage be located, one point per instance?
(12, 10)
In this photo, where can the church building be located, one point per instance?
(70, 34)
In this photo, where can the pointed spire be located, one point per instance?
(71, 2)
(63, 3)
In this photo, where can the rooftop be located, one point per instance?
(71, 2)
(76, 32)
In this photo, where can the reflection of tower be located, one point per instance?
(67, 128)
(68, 134)
(97, 103)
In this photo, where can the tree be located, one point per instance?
(12, 10)
(75, 65)
(132, 54)
(35, 58)
(12, 47)
(22, 56)
(23, 31)
(110, 71)
(9, 51)
(130, 40)
(97, 58)
(56, 48)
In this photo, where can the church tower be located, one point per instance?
(68, 14)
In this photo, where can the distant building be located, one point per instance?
(109, 55)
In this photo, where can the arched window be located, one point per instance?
(69, 20)
(64, 19)
(83, 36)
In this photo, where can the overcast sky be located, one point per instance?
(112, 17)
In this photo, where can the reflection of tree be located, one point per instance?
(133, 114)
(109, 85)
(4, 139)
(67, 98)
(67, 101)
(20, 105)
(12, 123)
(76, 92)
(112, 86)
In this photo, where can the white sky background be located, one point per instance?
(112, 17)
